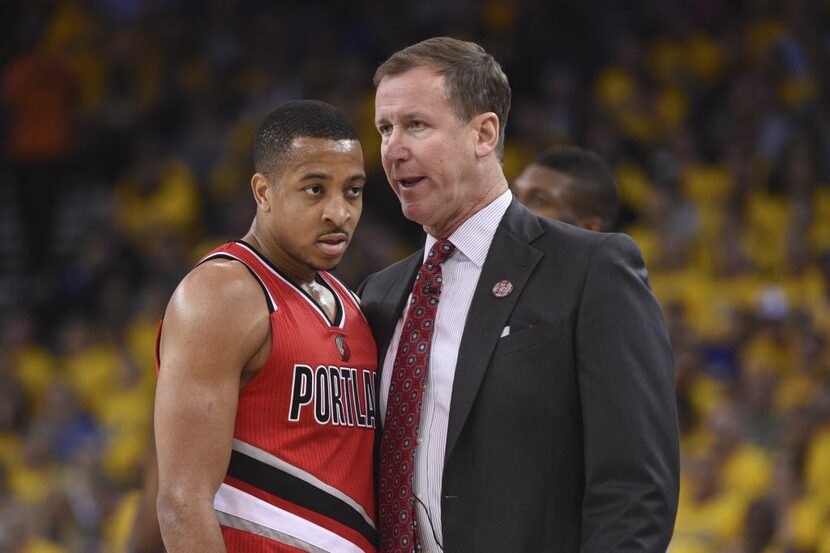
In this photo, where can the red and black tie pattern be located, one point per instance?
(398, 528)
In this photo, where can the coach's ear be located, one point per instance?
(261, 187)
(486, 127)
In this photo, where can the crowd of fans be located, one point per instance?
(126, 129)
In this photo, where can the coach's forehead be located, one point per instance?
(409, 93)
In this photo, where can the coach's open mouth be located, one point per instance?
(410, 182)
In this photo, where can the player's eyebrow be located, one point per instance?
(316, 176)
(326, 176)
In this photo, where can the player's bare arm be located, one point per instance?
(214, 338)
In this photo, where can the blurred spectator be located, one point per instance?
(571, 185)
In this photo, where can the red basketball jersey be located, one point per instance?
(301, 471)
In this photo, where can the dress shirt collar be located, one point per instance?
(474, 236)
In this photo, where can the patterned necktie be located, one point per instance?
(398, 528)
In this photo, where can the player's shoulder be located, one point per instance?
(216, 315)
(218, 284)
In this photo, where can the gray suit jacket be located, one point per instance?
(563, 434)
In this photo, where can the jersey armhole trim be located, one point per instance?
(272, 305)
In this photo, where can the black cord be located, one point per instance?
(431, 525)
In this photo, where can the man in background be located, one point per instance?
(571, 185)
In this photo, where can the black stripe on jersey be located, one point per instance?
(341, 313)
(343, 285)
(286, 486)
(271, 306)
(341, 309)
(355, 298)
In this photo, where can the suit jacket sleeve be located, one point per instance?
(627, 393)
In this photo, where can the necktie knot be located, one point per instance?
(438, 253)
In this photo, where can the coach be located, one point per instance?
(527, 388)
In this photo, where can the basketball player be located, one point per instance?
(571, 185)
(265, 412)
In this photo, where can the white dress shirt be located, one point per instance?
(461, 272)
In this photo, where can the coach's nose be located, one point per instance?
(395, 147)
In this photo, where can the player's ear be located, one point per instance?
(487, 127)
(261, 186)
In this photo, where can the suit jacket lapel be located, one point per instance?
(511, 258)
(394, 301)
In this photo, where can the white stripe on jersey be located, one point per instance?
(252, 528)
(249, 513)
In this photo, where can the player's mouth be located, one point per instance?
(334, 243)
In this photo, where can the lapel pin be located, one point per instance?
(502, 288)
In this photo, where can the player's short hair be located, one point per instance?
(292, 120)
(474, 82)
(593, 181)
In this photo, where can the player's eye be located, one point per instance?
(537, 200)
